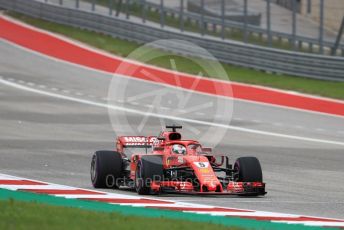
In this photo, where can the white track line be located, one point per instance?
(9, 177)
(134, 111)
(246, 214)
(107, 195)
(49, 186)
(313, 223)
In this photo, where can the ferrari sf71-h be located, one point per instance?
(169, 164)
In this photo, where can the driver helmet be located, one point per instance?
(178, 149)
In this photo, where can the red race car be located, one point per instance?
(169, 164)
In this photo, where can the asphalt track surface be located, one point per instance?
(50, 138)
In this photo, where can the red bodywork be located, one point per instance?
(197, 159)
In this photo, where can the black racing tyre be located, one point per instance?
(248, 169)
(149, 168)
(106, 168)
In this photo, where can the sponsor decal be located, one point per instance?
(154, 141)
(139, 140)
(134, 144)
(204, 170)
(135, 139)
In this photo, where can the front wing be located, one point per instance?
(233, 188)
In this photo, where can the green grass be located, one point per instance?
(31, 215)
(123, 48)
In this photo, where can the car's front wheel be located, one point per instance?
(248, 169)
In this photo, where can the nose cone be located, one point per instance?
(204, 173)
(210, 187)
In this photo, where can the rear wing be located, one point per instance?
(135, 142)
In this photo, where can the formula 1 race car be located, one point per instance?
(169, 164)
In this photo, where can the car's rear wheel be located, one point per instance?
(247, 169)
(106, 168)
(149, 168)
